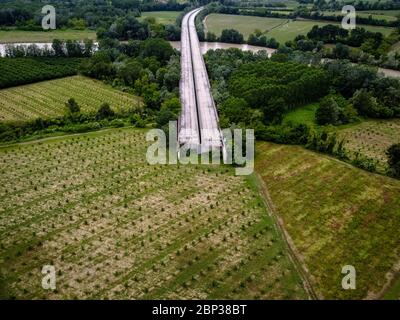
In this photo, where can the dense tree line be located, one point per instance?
(59, 48)
(129, 27)
(275, 87)
(372, 95)
(316, 15)
(21, 71)
(359, 5)
(26, 14)
(301, 12)
(357, 45)
(250, 89)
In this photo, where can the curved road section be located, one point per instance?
(198, 124)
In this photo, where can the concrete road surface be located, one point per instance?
(199, 118)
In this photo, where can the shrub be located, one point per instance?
(105, 112)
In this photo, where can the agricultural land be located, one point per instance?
(48, 98)
(281, 29)
(335, 215)
(117, 228)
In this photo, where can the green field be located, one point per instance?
(16, 36)
(370, 138)
(48, 98)
(245, 24)
(281, 29)
(162, 17)
(115, 227)
(336, 215)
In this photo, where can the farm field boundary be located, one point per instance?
(335, 214)
(47, 99)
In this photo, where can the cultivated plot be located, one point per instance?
(48, 98)
(115, 227)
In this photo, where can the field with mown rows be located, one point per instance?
(19, 71)
(48, 98)
(115, 227)
(336, 215)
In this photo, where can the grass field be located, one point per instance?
(48, 98)
(336, 215)
(245, 24)
(115, 227)
(280, 29)
(162, 17)
(372, 138)
(16, 36)
(301, 115)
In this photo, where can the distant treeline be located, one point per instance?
(301, 12)
(359, 20)
(77, 14)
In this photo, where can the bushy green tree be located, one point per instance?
(327, 112)
(367, 105)
(72, 106)
(169, 111)
(236, 110)
(130, 72)
(105, 112)
(158, 48)
(231, 36)
(274, 110)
